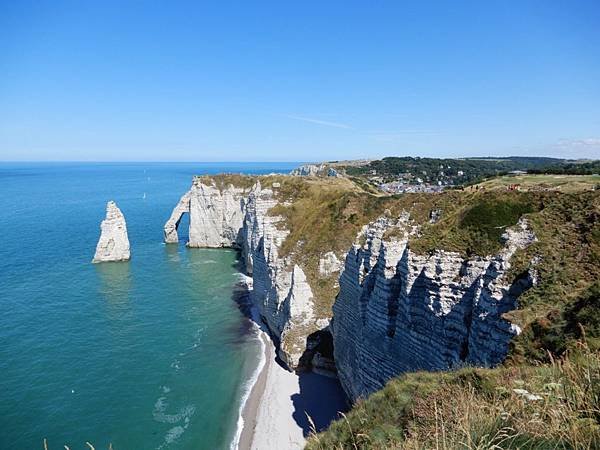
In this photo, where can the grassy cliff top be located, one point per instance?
(546, 182)
(552, 406)
(326, 214)
(546, 395)
(328, 217)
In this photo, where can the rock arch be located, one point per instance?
(170, 229)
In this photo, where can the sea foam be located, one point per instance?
(249, 385)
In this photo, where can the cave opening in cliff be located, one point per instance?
(318, 355)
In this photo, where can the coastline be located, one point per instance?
(249, 413)
(268, 415)
(275, 408)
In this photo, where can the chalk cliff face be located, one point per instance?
(281, 292)
(398, 311)
(237, 217)
(216, 215)
(314, 170)
(113, 244)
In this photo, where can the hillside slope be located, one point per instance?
(440, 281)
(553, 406)
(480, 408)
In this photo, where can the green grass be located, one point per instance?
(471, 408)
(563, 183)
(479, 409)
(224, 180)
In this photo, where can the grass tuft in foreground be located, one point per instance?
(552, 406)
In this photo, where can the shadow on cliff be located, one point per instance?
(321, 398)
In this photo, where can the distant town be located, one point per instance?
(397, 175)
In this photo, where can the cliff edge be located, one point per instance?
(404, 298)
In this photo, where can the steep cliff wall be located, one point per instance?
(216, 215)
(398, 311)
(230, 216)
(280, 289)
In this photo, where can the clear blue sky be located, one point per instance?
(254, 80)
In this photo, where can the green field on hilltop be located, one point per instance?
(563, 183)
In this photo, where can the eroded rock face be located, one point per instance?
(307, 170)
(216, 215)
(398, 311)
(113, 244)
(281, 292)
(170, 229)
(314, 170)
(234, 217)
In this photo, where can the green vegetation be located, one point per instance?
(473, 408)
(461, 171)
(568, 264)
(552, 406)
(488, 408)
(529, 182)
(457, 170)
(473, 223)
(571, 168)
(555, 332)
(222, 181)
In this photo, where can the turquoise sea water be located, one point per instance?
(148, 354)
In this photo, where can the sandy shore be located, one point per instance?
(269, 411)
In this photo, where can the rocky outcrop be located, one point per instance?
(306, 170)
(113, 244)
(398, 311)
(237, 217)
(281, 292)
(329, 264)
(216, 215)
(314, 170)
(170, 229)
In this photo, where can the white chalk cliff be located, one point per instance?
(314, 170)
(398, 311)
(113, 244)
(237, 217)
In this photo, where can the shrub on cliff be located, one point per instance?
(559, 330)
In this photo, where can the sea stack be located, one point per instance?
(113, 244)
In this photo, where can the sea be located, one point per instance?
(147, 354)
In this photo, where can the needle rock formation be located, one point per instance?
(113, 244)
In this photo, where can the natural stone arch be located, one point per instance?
(170, 229)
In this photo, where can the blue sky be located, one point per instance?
(277, 81)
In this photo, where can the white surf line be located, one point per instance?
(250, 385)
